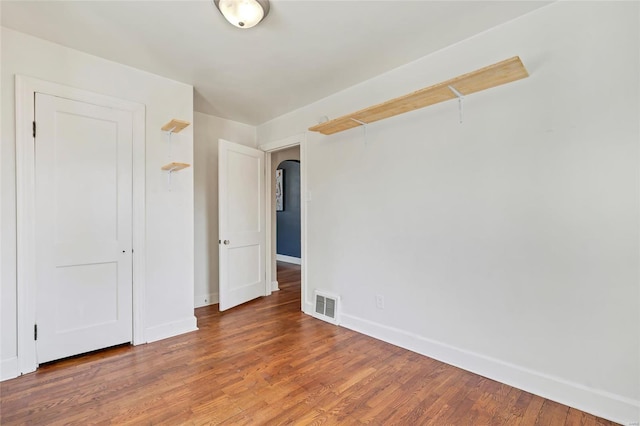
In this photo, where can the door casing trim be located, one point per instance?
(26, 88)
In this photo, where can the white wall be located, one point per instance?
(169, 215)
(207, 130)
(508, 245)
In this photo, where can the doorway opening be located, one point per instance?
(287, 190)
(286, 207)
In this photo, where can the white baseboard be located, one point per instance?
(9, 368)
(289, 259)
(597, 402)
(274, 286)
(171, 329)
(205, 300)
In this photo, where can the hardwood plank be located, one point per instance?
(577, 417)
(267, 363)
(552, 413)
(462, 412)
(518, 409)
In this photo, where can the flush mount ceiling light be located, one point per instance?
(243, 13)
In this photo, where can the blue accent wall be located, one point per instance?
(288, 221)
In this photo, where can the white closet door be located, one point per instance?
(83, 227)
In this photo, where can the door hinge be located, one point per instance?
(35, 331)
(34, 129)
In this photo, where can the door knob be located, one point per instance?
(226, 242)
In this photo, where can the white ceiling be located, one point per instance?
(303, 50)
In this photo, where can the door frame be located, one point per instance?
(301, 141)
(25, 90)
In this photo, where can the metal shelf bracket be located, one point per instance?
(460, 97)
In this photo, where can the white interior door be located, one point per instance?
(241, 204)
(83, 227)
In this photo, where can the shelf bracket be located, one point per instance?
(169, 173)
(364, 126)
(171, 168)
(460, 97)
(169, 133)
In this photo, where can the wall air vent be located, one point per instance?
(326, 307)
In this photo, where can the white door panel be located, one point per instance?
(78, 285)
(241, 224)
(83, 227)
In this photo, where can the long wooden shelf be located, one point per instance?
(494, 75)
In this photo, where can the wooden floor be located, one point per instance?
(267, 363)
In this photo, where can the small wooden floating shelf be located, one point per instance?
(174, 167)
(494, 75)
(175, 126)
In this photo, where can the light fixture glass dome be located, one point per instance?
(243, 13)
